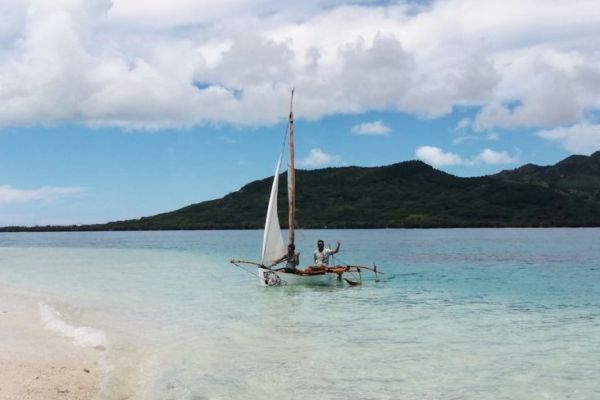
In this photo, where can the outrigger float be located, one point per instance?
(273, 247)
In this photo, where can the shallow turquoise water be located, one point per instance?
(460, 314)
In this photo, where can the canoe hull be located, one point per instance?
(268, 277)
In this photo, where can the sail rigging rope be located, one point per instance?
(244, 269)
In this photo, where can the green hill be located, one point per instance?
(408, 194)
(575, 175)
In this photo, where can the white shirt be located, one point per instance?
(322, 257)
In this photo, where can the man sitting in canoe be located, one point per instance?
(292, 258)
(322, 254)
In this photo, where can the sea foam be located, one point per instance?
(82, 336)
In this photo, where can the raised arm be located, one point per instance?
(337, 248)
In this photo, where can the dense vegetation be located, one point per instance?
(408, 194)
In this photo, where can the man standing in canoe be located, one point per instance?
(322, 254)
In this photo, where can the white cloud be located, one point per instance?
(228, 140)
(376, 128)
(463, 124)
(557, 88)
(579, 138)
(491, 157)
(462, 137)
(439, 158)
(11, 195)
(176, 63)
(492, 136)
(318, 158)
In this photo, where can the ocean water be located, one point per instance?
(459, 313)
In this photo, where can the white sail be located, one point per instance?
(273, 246)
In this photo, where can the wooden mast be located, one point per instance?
(291, 177)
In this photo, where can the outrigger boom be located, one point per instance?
(337, 270)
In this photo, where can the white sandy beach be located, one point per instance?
(40, 364)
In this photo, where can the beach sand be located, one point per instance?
(36, 363)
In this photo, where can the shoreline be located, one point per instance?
(67, 229)
(40, 363)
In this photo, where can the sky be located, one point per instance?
(119, 109)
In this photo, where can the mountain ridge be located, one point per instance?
(409, 194)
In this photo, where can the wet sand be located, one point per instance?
(38, 364)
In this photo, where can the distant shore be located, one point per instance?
(38, 364)
(405, 195)
(91, 228)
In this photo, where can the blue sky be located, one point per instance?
(117, 110)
